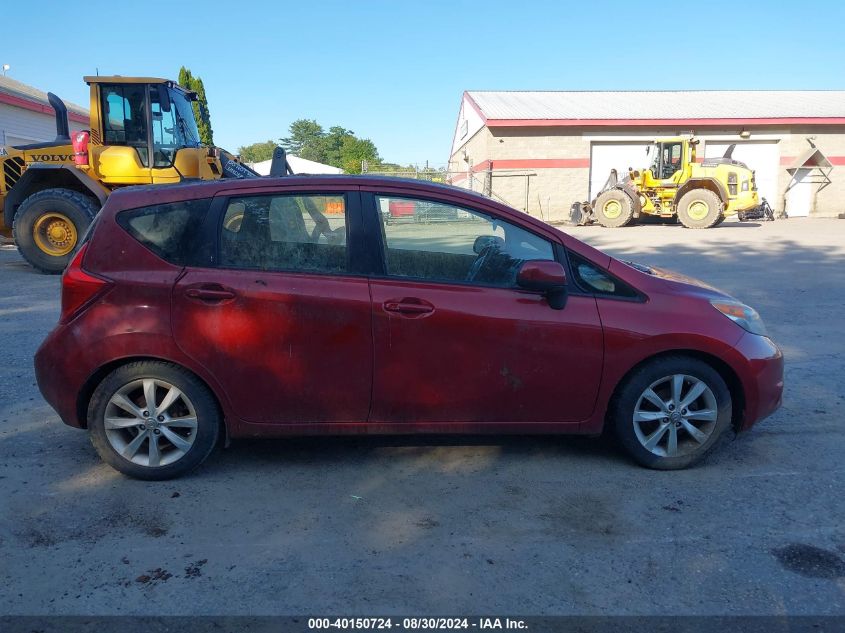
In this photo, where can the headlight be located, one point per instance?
(744, 316)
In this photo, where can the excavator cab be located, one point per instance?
(667, 158)
(143, 130)
(156, 120)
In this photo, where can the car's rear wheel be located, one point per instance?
(670, 412)
(153, 420)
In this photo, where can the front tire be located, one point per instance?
(48, 226)
(669, 413)
(614, 208)
(699, 209)
(153, 420)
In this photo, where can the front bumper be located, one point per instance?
(762, 378)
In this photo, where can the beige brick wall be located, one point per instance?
(550, 191)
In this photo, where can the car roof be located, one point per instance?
(143, 195)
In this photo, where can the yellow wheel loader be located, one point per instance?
(700, 195)
(142, 131)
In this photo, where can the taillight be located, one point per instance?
(79, 287)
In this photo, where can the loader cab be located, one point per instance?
(139, 126)
(667, 158)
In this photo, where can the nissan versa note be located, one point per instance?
(274, 307)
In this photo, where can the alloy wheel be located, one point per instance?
(150, 422)
(675, 415)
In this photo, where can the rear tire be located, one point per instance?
(699, 209)
(153, 420)
(613, 208)
(48, 226)
(664, 425)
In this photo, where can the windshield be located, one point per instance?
(185, 121)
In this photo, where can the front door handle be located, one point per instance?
(409, 306)
(211, 293)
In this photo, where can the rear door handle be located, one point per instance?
(210, 293)
(408, 306)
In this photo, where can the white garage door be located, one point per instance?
(618, 156)
(761, 156)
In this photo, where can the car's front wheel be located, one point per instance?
(153, 420)
(670, 412)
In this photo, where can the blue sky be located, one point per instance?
(395, 71)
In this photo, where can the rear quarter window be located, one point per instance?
(169, 230)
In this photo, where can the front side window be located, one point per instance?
(671, 159)
(442, 242)
(169, 230)
(297, 233)
(125, 117)
(165, 134)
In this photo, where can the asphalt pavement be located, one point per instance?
(492, 525)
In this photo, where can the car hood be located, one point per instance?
(676, 277)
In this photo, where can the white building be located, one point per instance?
(542, 151)
(27, 117)
(299, 166)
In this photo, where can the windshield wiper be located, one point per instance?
(189, 136)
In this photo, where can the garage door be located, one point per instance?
(761, 156)
(618, 156)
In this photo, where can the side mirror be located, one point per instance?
(483, 241)
(163, 97)
(544, 276)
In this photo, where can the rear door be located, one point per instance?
(455, 339)
(282, 319)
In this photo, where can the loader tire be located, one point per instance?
(700, 209)
(613, 208)
(48, 226)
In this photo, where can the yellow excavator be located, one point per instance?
(142, 131)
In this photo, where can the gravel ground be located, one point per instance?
(446, 525)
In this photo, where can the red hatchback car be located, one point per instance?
(273, 307)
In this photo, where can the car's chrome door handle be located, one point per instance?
(209, 293)
(408, 306)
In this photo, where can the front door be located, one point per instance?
(281, 322)
(455, 339)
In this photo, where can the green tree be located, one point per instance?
(338, 147)
(305, 137)
(201, 113)
(257, 152)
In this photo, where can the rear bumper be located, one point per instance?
(60, 378)
(762, 378)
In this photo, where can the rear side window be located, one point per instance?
(169, 230)
(293, 233)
